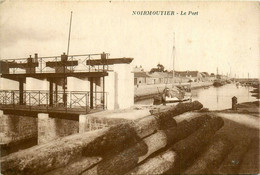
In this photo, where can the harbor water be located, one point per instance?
(216, 98)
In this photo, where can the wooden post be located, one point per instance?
(104, 100)
(91, 93)
(51, 92)
(21, 91)
(56, 92)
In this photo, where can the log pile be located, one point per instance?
(68, 150)
(131, 157)
(165, 119)
(43, 158)
(151, 145)
(124, 135)
(211, 158)
(177, 155)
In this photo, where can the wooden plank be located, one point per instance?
(109, 61)
(61, 64)
(55, 75)
(23, 65)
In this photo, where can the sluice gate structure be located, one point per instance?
(63, 87)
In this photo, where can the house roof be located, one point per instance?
(160, 75)
(205, 74)
(140, 74)
(186, 73)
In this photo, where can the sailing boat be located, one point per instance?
(175, 94)
(218, 82)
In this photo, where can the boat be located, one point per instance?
(237, 84)
(176, 94)
(218, 83)
(229, 81)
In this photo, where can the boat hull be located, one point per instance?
(158, 100)
(217, 84)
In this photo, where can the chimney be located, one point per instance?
(36, 57)
(64, 57)
(103, 56)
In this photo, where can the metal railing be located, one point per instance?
(70, 101)
(53, 64)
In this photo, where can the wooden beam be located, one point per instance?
(55, 75)
(53, 64)
(4, 69)
(110, 61)
(23, 65)
(60, 115)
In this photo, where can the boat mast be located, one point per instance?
(68, 48)
(65, 67)
(173, 58)
(217, 74)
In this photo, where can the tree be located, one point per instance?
(160, 68)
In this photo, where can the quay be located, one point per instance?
(126, 147)
(149, 91)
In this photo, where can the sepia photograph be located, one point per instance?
(125, 87)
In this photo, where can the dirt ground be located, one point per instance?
(237, 127)
(247, 107)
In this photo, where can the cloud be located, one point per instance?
(10, 34)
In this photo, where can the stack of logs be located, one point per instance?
(151, 145)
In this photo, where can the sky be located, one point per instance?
(223, 34)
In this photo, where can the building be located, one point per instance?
(140, 78)
(138, 69)
(145, 78)
(212, 77)
(194, 76)
(205, 76)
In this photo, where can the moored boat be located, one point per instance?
(218, 83)
(179, 93)
(172, 96)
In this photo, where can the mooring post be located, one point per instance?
(234, 103)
